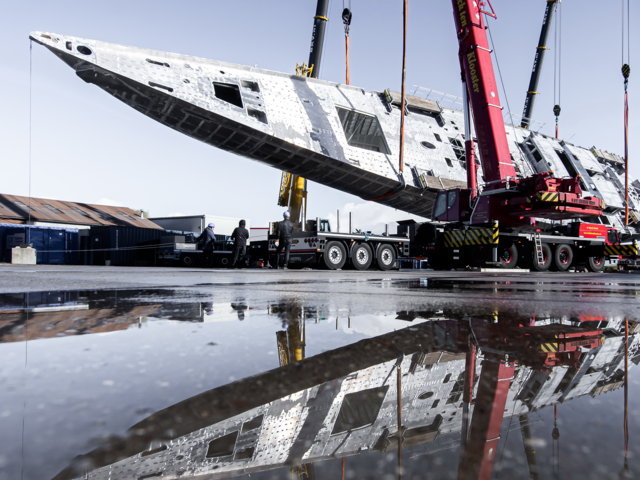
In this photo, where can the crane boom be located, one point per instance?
(506, 197)
(537, 63)
(293, 188)
(475, 62)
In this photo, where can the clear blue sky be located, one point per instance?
(86, 146)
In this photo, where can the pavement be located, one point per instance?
(567, 292)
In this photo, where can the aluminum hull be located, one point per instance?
(338, 135)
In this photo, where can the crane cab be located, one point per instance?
(452, 205)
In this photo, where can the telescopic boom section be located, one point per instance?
(475, 62)
(540, 195)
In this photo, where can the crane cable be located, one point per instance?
(557, 66)
(346, 19)
(626, 70)
(626, 396)
(403, 102)
(555, 446)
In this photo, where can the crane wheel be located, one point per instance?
(595, 264)
(386, 257)
(508, 256)
(335, 255)
(547, 258)
(361, 256)
(562, 257)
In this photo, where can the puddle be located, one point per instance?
(163, 383)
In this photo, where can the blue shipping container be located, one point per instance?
(54, 245)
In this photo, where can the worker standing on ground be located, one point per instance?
(239, 235)
(206, 241)
(285, 230)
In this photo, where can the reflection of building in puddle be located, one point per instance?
(346, 401)
(58, 314)
(28, 316)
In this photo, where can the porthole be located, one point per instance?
(84, 50)
(426, 144)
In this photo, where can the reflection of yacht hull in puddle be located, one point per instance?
(345, 401)
(337, 135)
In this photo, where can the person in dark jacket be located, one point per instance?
(285, 230)
(206, 240)
(239, 235)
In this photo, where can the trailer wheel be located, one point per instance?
(361, 256)
(335, 255)
(563, 257)
(547, 258)
(595, 264)
(224, 261)
(187, 260)
(508, 256)
(386, 257)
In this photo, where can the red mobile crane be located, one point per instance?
(499, 224)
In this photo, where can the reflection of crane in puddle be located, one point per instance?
(505, 346)
(291, 343)
(349, 400)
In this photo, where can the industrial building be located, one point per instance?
(67, 232)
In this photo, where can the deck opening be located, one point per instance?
(159, 85)
(359, 409)
(146, 453)
(156, 62)
(222, 446)
(253, 423)
(363, 130)
(84, 50)
(253, 86)
(228, 92)
(458, 149)
(150, 475)
(244, 454)
(257, 114)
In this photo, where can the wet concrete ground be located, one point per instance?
(185, 373)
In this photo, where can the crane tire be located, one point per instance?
(508, 256)
(563, 257)
(595, 264)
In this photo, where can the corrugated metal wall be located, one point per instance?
(123, 245)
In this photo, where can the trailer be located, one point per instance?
(319, 246)
(182, 250)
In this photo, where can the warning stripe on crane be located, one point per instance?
(549, 347)
(549, 197)
(628, 249)
(471, 236)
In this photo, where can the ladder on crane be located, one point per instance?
(538, 245)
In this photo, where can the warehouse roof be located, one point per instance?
(18, 209)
